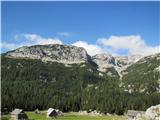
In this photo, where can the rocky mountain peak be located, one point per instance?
(104, 61)
(118, 63)
(52, 52)
(103, 56)
(68, 54)
(107, 58)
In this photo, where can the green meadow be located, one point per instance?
(68, 116)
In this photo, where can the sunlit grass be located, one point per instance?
(69, 116)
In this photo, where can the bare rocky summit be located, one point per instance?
(104, 61)
(68, 54)
(52, 52)
(118, 63)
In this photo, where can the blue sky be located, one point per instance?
(84, 24)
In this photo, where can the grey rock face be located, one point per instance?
(104, 61)
(68, 54)
(52, 52)
(118, 63)
(153, 113)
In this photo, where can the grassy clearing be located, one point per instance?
(69, 116)
(5, 117)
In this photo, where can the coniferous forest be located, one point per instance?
(31, 84)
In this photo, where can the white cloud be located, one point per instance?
(37, 39)
(9, 46)
(28, 40)
(134, 44)
(64, 34)
(90, 48)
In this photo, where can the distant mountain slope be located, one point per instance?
(71, 54)
(67, 78)
(46, 84)
(114, 65)
(144, 75)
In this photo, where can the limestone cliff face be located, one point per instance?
(104, 61)
(52, 52)
(69, 54)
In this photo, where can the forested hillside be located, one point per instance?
(32, 83)
(143, 76)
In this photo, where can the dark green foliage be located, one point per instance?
(143, 75)
(31, 84)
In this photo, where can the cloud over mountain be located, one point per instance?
(28, 40)
(90, 48)
(37, 39)
(134, 44)
(9, 46)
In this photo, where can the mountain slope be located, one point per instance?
(106, 64)
(143, 76)
(52, 82)
(55, 53)
(113, 66)
(50, 76)
(70, 55)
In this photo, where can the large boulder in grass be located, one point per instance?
(95, 113)
(153, 113)
(83, 112)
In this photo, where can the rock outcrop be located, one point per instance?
(153, 113)
(104, 61)
(52, 52)
(119, 63)
(68, 54)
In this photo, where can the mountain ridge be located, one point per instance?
(80, 86)
(52, 52)
(68, 54)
